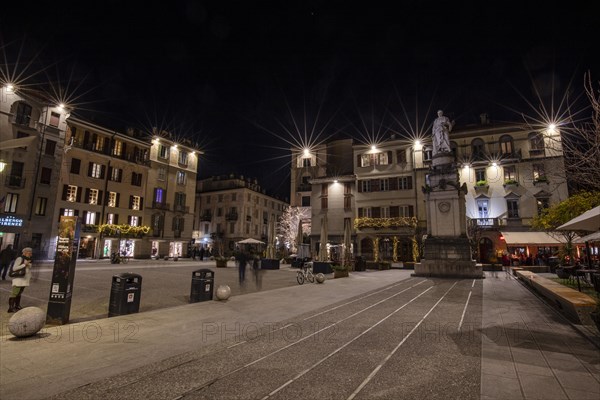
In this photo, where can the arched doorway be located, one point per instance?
(486, 250)
(366, 248)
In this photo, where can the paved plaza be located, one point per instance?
(376, 334)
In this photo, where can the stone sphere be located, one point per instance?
(320, 278)
(223, 292)
(27, 322)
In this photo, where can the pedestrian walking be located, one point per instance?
(6, 256)
(19, 284)
(242, 260)
(257, 271)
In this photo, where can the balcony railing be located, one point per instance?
(231, 216)
(181, 208)
(160, 206)
(385, 223)
(511, 157)
(304, 187)
(15, 181)
(484, 223)
(206, 217)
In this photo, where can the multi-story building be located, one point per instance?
(332, 196)
(102, 180)
(231, 208)
(511, 172)
(32, 134)
(171, 190)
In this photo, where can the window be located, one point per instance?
(367, 160)
(306, 162)
(71, 193)
(181, 178)
(406, 211)
(112, 199)
(136, 202)
(134, 220)
(384, 185)
(163, 151)
(483, 212)
(93, 197)
(90, 218)
(23, 114)
(480, 175)
(478, 150)
(45, 175)
(510, 173)
(98, 143)
(96, 171)
(10, 203)
(427, 154)
(54, 119)
(75, 166)
(136, 179)
(68, 212)
(40, 206)
(305, 201)
(365, 212)
(536, 142)
(117, 148)
(347, 202)
(542, 204)
(506, 145)
(405, 182)
(116, 174)
(208, 199)
(16, 174)
(183, 157)
(111, 218)
(231, 227)
(180, 199)
(539, 174)
(159, 195)
(162, 174)
(384, 212)
(365, 185)
(324, 203)
(220, 198)
(219, 212)
(401, 156)
(234, 197)
(50, 147)
(512, 206)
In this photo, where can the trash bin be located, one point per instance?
(360, 263)
(203, 283)
(125, 293)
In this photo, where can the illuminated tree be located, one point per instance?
(288, 225)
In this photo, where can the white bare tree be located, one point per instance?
(288, 224)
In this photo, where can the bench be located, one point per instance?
(575, 305)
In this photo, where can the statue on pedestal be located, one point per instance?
(441, 130)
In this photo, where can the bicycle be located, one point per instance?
(305, 274)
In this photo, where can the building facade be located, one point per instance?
(32, 136)
(231, 208)
(511, 172)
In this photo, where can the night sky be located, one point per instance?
(231, 75)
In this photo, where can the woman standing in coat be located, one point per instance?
(20, 283)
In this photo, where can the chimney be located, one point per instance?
(484, 118)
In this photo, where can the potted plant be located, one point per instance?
(340, 271)
(481, 183)
(595, 315)
(540, 179)
(221, 262)
(511, 182)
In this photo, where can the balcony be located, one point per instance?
(231, 216)
(181, 208)
(14, 181)
(304, 187)
(21, 120)
(160, 206)
(385, 223)
(206, 217)
(484, 223)
(513, 156)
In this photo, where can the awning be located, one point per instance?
(588, 221)
(594, 237)
(529, 238)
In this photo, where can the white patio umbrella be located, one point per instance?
(323, 245)
(588, 221)
(250, 241)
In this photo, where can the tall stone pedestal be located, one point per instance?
(447, 252)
